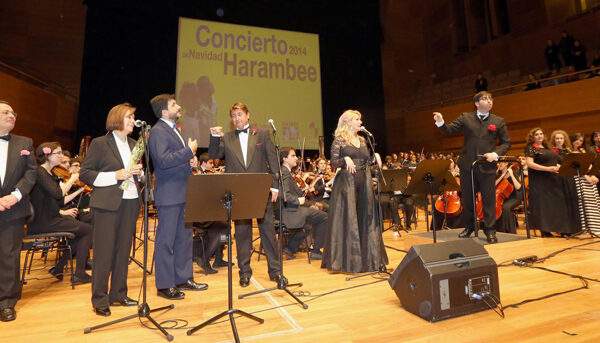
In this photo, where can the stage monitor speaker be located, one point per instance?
(445, 280)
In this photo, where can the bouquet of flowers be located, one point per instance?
(136, 155)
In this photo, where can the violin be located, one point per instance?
(64, 175)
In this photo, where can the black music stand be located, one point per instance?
(397, 180)
(211, 198)
(577, 165)
(427, 179)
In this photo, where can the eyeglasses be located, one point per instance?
(7, 112)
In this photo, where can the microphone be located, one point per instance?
(272, 124)
(139, 123)
(363, 129)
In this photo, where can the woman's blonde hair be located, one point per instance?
(567, 144)
(343, 129)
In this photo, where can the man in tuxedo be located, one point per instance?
(295, 215)
(172, 161)
(17, 178)
(482, 130)
(250, 150)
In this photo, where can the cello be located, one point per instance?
(450, 201)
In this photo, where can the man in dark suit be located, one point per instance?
(295, 215)
(250, 150)
(17, 178)
(172, 161)
(482, 130)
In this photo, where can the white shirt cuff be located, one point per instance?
(439, 124)
(496, 156)
(275, 190)
(17, 194)
(106, 179)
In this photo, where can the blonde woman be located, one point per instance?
(560, 142)
(353, 240)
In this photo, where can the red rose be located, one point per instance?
(555, 150)
(179, 128)
(598, 150)
(535, 146)
(492, 127)
(254, 131)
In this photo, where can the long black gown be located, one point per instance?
(353, 241)
(506, 222)
(551, 204)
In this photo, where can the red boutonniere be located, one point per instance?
(492, 127)
(254, 132)
(555, 150)
(25, 152)
(179, 128)
(535, 146)
(598, 150)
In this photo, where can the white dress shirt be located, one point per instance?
(110, 178)
(3, 162)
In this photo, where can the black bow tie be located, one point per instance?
(5, 137)
(238, 131)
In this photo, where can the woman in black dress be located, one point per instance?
(547, 190)
(506, 222)
(47, 198)
(353, 241)
(560, 143)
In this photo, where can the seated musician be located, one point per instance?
(78, 207)
(506, 222)
(295, 215)
(319, 186)
(46, 198)
(211, 233)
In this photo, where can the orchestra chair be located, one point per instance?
(45, 243)
(287, 232)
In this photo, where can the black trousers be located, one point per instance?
(243, 239)
(212, 240)
(113, 235)
(484, 183)
(317, 220)
(11, 238)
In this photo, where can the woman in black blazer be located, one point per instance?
(114, 211)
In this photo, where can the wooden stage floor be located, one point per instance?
(360, 310)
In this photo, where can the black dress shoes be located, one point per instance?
(127, 301)
(56, 273)
(8, 314)
(102, 311)
(280, 279)
(288, 253)
(244, 281)
(205, 265)
(192, 285)
(315, 255)
(221, 263)
(466, 233)
(85, 278)
(171, 293)
(491, 237)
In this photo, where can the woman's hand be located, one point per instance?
(350, 165)
(70, 212)
(123, 174)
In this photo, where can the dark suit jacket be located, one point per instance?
(103, 156)
(292, 214)
(20, 174)
(171, 161)
(480, 137)
(261, 154)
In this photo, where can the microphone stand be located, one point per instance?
(143, 308)
(378, 172)
(283, 282)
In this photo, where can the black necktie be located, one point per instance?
(238, 131)
(482, 116)
(5, 137)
